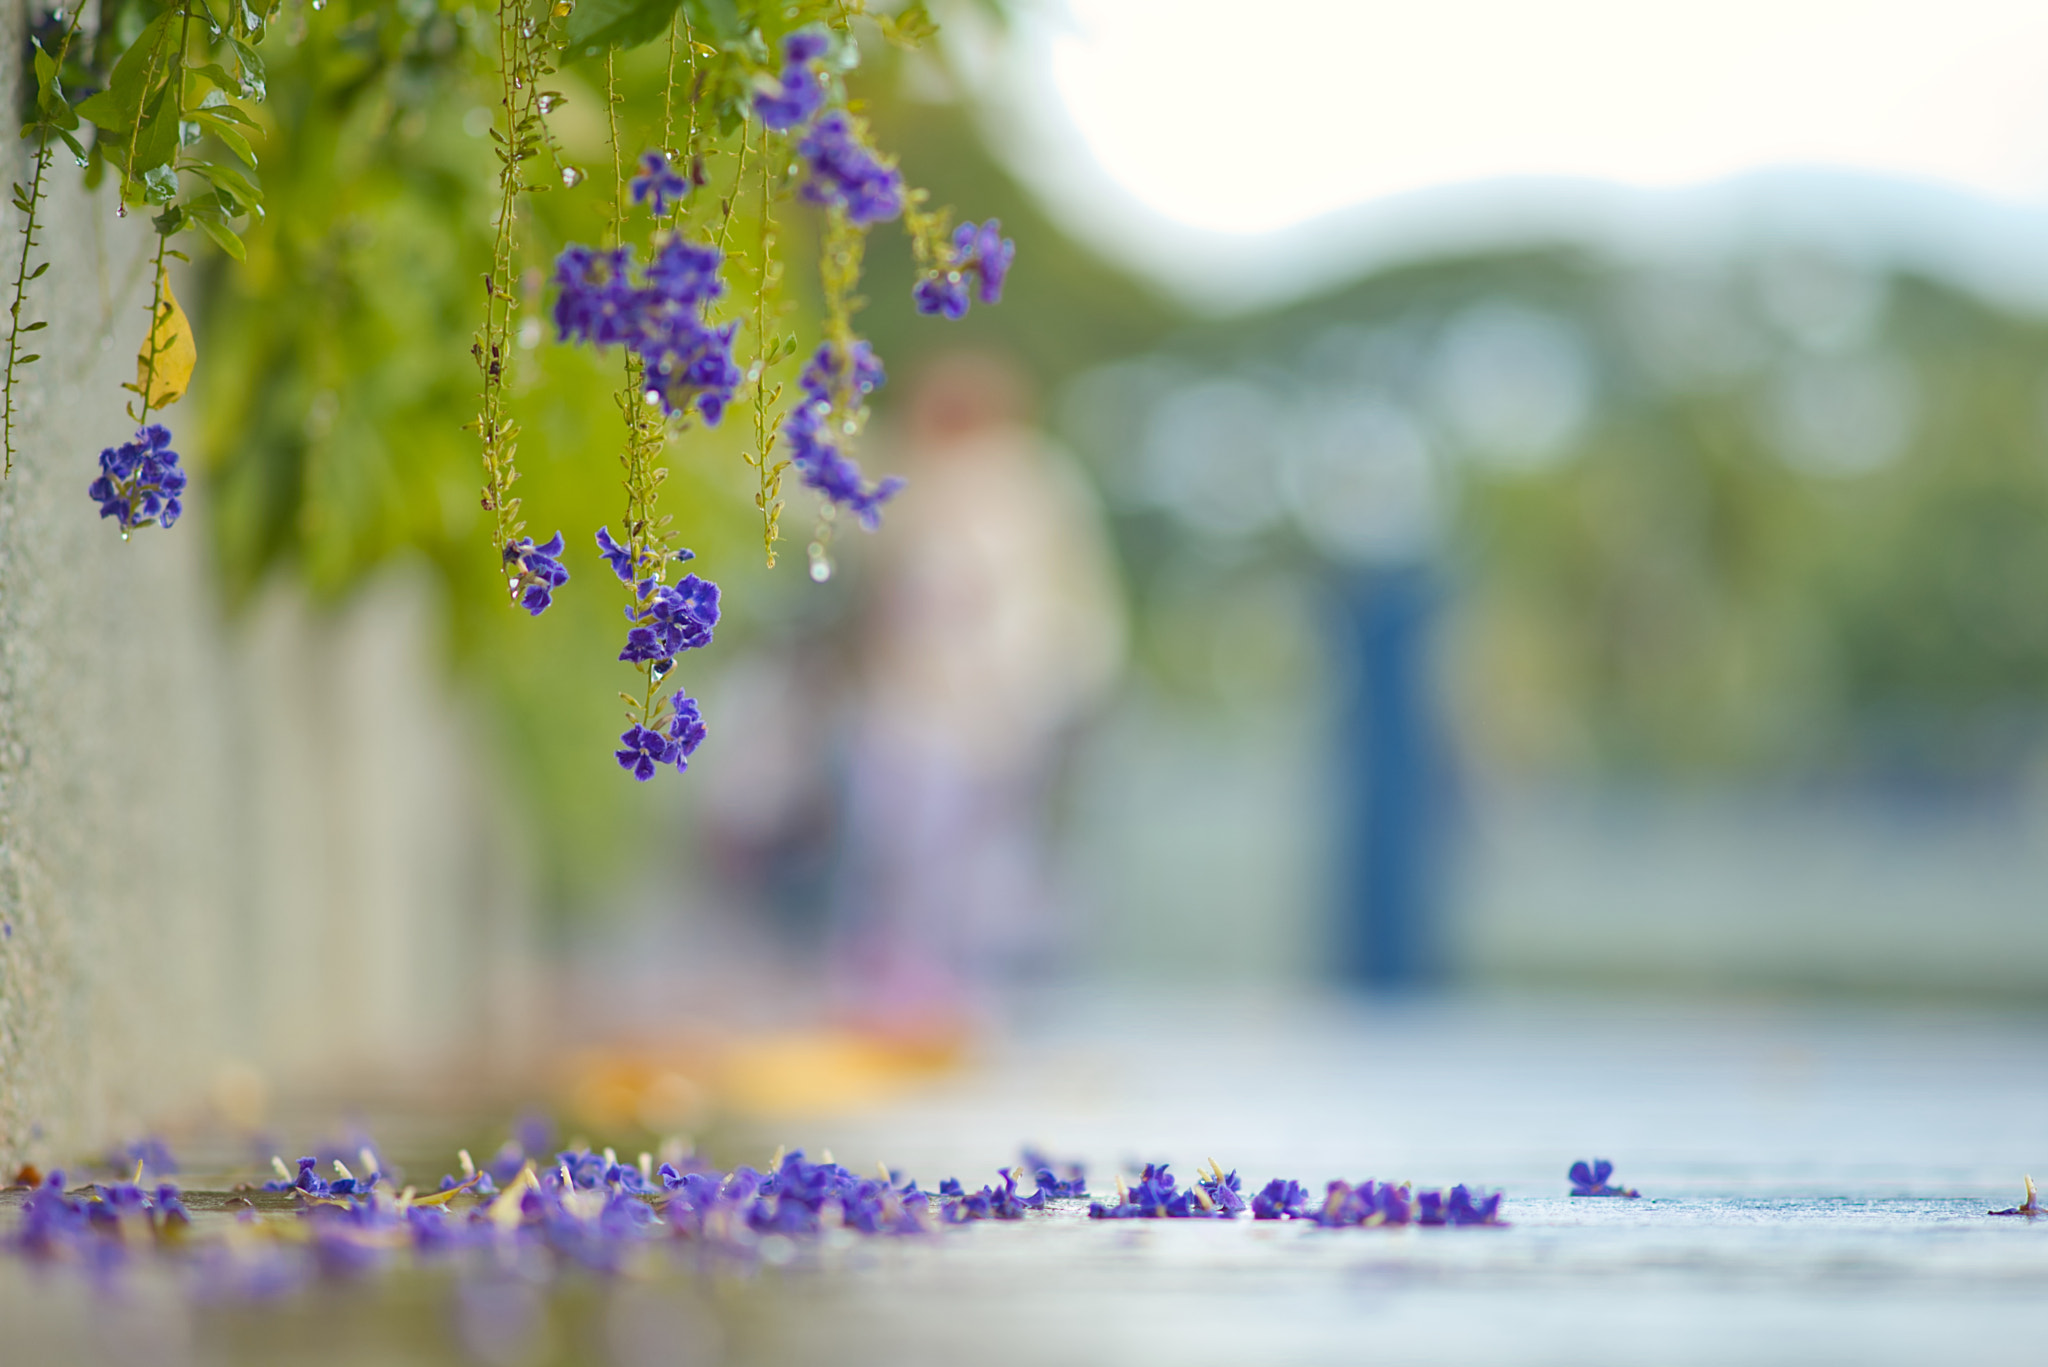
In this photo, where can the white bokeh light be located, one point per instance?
(1240, 118)
(1243, 154)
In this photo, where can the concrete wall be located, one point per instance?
(230, 851)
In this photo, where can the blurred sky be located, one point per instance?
(1241, 152)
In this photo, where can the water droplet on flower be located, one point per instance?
(660, 668)
(549, 103)
(821, 563)
(653, 397)
(526, 29)
(571, 177)
(319, 4)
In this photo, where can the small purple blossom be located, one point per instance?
(620, 559)
(641, 750)
(151, 1152)
(685, 731)
(831, 386)
(657, 185)
(976, 268)
(140, 481)
(537, 572)
(1591, 1180)
(671, 619)
(846, 175)
(596, 300)
(800, 92)
(1281, 1199)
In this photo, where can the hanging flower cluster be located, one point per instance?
(140, 482)
(832, 387)
(800, 92)
(845, 173)
(660, 319)
(536, 572)
(760, 91)
(980, 255)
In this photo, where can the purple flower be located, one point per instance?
(1463, 1209)
(989, 258)
(140, 481)
(642, 750)
(805, 45)
(686, 730)
(1223, 1190)
(150, 1152)
(673, 618)
(1280, 1199)
(620, 559)
(941, 294)
(658, 183)
(981, 254)
(539, 572)
(813, 445)
(685, 272)
(800, 92)
(846, 175)
(661, 319)
(596, 302)
(1591, 1180)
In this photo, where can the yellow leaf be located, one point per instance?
(163, 368)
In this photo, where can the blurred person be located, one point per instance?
(994, 623)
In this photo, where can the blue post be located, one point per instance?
(1392, 782)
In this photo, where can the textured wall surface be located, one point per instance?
(228, 849)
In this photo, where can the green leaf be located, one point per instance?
(231, 180)
(105, 113)
(121, 103)
(252, 69)
(50, 101)
(618, 23)
(223, 236)
(159, 185)
(910, 27)
(720, 18)
(157, 142)
(229, 137)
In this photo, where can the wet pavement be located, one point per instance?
(1815, 1186)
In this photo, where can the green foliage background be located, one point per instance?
(335, 376)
